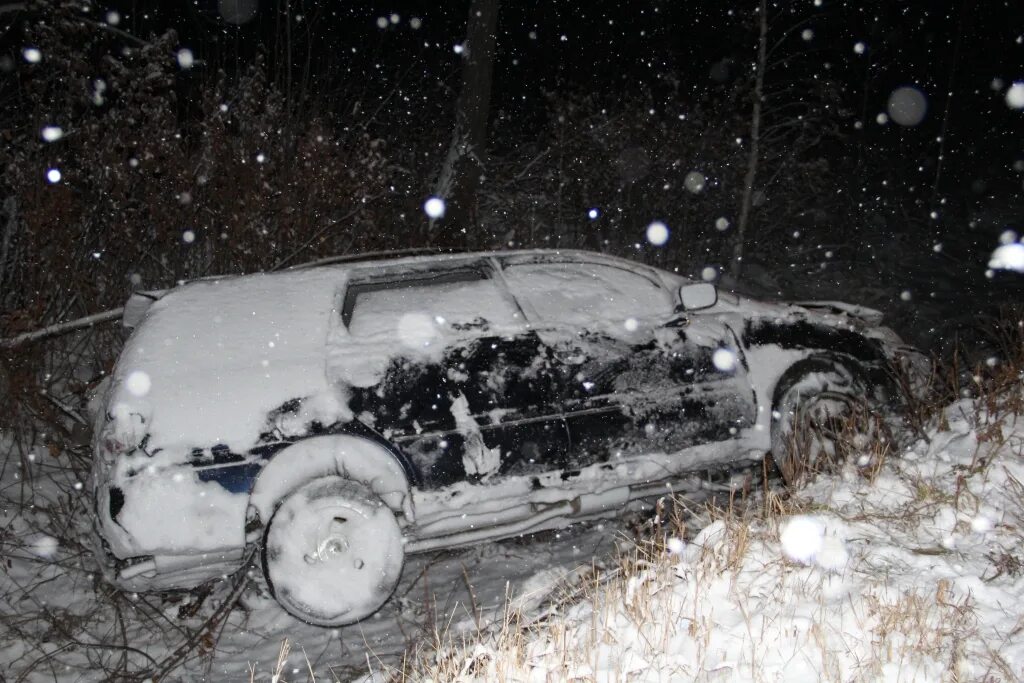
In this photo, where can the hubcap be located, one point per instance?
(332, 542)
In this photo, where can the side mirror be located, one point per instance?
(695, 297)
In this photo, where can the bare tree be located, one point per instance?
(466, 161)
(753, 154)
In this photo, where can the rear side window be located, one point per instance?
(427, 305)
(575, 293)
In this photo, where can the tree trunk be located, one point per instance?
(10, 208)
(750, 177)
(465, 163)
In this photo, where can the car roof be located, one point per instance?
(395, 261)
(371, 264)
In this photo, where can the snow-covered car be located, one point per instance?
(336, 418)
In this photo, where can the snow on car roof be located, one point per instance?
(212, 358)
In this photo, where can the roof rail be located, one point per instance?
(384, 254)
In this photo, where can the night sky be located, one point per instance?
(975, 49)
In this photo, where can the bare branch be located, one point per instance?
(62, 328)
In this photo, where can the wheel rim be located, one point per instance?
(821, 419)
(333, 553)
(812, 433)
(331, 538)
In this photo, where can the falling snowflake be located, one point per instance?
(434, 207)
(416, 330)
(53, 175)
(1008, 257)
(657, 233)
(802, 538)
(52, 133)
(32, 55)
(1015, 96)
(724, 360)
(709, 273)
(981, 524)
(188, 237)
(138, 383)
(907, 106)
(859, 48)
(185, 58)
(722, 224)
(44, 546)
(695, 182)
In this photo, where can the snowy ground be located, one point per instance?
(61, 624)
(908, 571)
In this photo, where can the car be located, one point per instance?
(331, 420)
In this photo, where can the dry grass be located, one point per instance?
(639, 617)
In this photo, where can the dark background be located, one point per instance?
(603, 46)
(604, 105)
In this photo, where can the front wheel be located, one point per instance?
(332, 552)
(818, 417)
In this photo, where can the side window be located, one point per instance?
(575, 293)
(421, 308)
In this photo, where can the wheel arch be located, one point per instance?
(858, 382)
(352, 456)
(824, 362)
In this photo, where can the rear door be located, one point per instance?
(441, 362)
(632, 377)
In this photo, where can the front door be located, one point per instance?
(633, 376)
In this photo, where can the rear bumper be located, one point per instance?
(145, 573)
(167, 572)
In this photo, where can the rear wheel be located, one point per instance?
(819, 417)
(332, 552)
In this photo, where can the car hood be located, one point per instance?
(860, 319)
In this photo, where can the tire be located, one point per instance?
(817, 417)
(332, 552)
